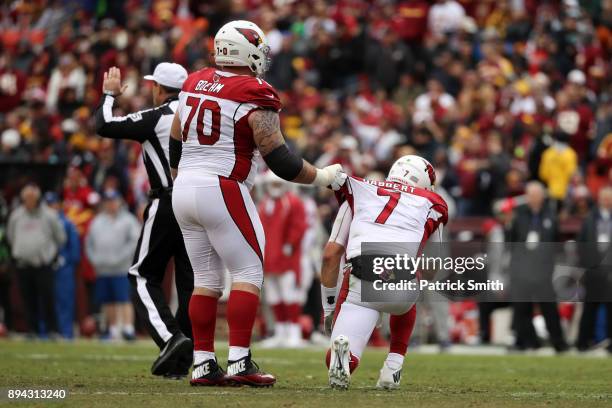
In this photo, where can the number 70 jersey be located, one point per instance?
(385, 211)
(214, 107)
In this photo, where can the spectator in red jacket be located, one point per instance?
(283, 216)
(80, 201)
(12, 84)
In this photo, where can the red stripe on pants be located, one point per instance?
(234, 202)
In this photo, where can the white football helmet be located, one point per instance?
(241, 43)
(413, 171)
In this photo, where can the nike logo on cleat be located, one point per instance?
(237, 367)
(201, 371)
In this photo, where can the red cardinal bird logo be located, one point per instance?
(432, 174)
(250, 35)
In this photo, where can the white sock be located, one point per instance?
(282, 330)
(395, 361)
(128, 329)
(236, 353)
(294, 331)
(114, 331)
(200, 356)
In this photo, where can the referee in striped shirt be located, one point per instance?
(160, 238)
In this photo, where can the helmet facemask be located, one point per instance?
(267, 60)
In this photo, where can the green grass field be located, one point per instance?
(104, 375)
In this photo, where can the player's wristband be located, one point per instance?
(328, 298)
(321, 178)
(330, 176)
(175, 149)
(109, 93)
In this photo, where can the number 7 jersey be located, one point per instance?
(214, 107)
(384, 211)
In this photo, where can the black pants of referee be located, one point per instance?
(160, 240)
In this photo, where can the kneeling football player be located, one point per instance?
(401, 209)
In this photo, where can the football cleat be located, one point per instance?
(208, 373)
(181, 368)
(175, 356)
(389, 378)
(339, 370)
(246, 372)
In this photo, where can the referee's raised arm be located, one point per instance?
(138, 126)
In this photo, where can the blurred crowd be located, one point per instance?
(495, 93)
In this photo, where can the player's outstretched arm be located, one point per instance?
(285, 164)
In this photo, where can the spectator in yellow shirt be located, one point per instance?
(558, 164)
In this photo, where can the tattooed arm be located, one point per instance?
(271, 144)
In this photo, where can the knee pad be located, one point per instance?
(250, 274)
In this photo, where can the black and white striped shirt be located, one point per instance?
(150, 127)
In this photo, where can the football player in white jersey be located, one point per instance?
(227, 116)
(402, 209)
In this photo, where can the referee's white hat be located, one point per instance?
(168, 74)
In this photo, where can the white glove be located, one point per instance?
(332, 176)
(339, 180)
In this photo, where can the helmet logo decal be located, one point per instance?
(432, 174)
(251, 35)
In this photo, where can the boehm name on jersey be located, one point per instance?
(214, 107)
(387, 211)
